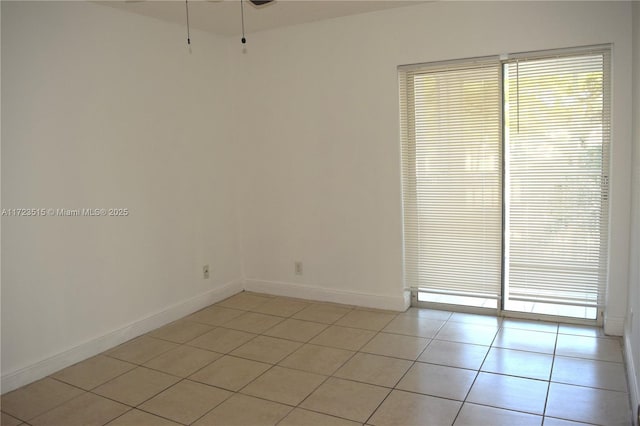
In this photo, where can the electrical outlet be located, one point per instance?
(298, 267)
(205, 272)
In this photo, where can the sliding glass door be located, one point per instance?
(452, 197)
(505, 182)
(556, 145)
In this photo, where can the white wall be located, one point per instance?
(101, 109)
(632, 330)
(322, 151)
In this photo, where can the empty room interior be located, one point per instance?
(320, 212)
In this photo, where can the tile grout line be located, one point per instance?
(359, 351)
(236, 392)
(186, 378)
(91, 391)
(553, 362)
(355, 352)
(231, 392)
(278, 364)
(407, 372)
(464, 401)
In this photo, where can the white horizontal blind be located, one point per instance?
(556, 159)
(451, 173)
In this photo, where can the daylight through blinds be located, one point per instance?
(505, 179)
(556, 142)
(451, 174)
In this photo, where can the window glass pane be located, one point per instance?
(556, 133)
(452, 167)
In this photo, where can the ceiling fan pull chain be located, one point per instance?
(186, 6)
(244, 40)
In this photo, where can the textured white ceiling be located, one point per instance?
(223, 16)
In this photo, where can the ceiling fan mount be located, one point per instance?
(257, 3)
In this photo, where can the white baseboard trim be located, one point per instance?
(43, 368)
(634, 386)
(614, 326)
(304, 291)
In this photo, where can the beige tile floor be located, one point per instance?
(255, 359)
